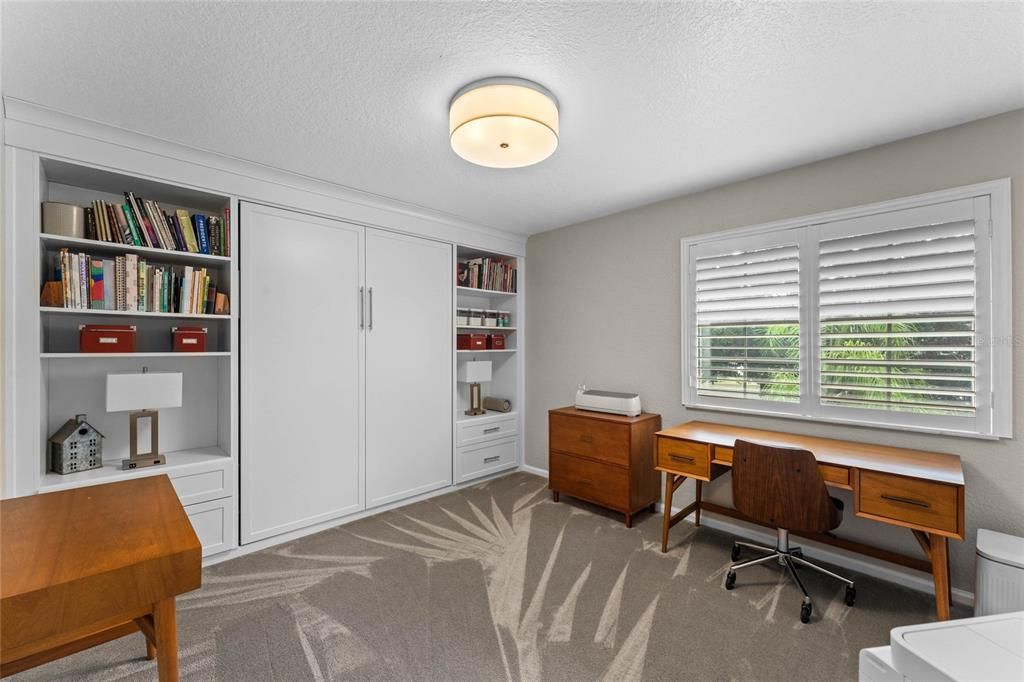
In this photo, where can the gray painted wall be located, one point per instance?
(603, 306)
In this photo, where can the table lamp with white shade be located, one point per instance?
(142, 394)
(474, 373)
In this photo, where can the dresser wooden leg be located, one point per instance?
(165, 624)
(629, 520)
(554, 495)
(652, 507)
(666, 521)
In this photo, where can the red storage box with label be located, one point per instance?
(106, 338)
(471, 342)
(496, 341)
(189, 339)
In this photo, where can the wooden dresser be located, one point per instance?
(604, 458)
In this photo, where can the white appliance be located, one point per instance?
(999, 586)
(986, 648)
(627, 404)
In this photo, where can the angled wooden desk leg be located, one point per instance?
(672, 483)
(166, 627)
(936, 548)
(146, 626)
(696, 512)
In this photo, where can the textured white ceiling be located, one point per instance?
(656, 99)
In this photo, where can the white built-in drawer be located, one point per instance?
(200, 486)
(485, 458)
(214, 524)
(472, 432)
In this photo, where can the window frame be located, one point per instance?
(993, 312)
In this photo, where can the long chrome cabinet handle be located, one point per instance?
(369, 325)
(362, 308)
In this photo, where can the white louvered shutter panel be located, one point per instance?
(747, 314)
(897, 312)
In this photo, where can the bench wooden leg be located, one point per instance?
(165, 624)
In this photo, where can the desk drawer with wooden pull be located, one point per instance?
(604, 440)
(684, 457)
(589, 480)
(474, 431)
(926, 505)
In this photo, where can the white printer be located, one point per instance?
(627, 404)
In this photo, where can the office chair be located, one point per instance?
(783, 488)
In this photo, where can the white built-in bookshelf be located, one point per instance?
(198, 439)
(504, 362)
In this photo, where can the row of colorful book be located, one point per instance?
(143, 222)
(495, 274)
(130, 283)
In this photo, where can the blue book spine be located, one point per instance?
(204, 235)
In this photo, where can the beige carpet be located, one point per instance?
(497, 582)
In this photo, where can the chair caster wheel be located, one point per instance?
(730, 580)
(735, 553)
(805, 612)
(851, 596)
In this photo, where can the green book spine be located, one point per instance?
(136, 237)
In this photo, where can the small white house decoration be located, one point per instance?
(77, 446)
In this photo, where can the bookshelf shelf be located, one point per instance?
(96, 247)
(489, 330)
(209, 354)
(128, 313)
(485, 292)
(111, 470)
(491, 350)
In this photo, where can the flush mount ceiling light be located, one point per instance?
(503, 123)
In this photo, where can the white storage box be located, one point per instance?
(1000, 573)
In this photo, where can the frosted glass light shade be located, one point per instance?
(143, 391)
(503, 123)
(475, 372)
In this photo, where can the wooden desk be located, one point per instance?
(922, 491)
(81, 567)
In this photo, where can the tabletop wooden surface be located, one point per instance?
(79, 559)
(934, 466)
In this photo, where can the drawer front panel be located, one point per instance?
(595, 438)
(925, 504)
(589, 480)
(467, 434)
(480, 460)
(835, 474)
(723, 454)
(684, 457)
(201, 486)
(214, 524)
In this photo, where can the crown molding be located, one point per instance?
(54, 133)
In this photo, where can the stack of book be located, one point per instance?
(142, 222)
(495, 274)
(129, 283)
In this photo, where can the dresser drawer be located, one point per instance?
(684, 457)
(589, 480)
(214, 524)
(595, 438)
(472, 432)
(485, 458)
(925, 505)
(200, 486)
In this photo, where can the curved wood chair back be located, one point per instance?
(782, 488)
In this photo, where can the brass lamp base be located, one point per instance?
(137, 460)
(476, 406)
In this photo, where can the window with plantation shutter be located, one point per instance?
(748, 324)
(895, 315)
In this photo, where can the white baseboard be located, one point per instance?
(533, 470)
(883, 570)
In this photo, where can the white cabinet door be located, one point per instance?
(408, 366)
(301, 370)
